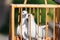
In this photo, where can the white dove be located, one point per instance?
(34, 27)
(24, 29)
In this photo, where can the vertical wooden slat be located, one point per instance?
(54, 24)
(56, 19)
(56, 15)
(33, 10)
(46, 23)
(40, 16)
(29, 24)
(40, 20)
(37, 22)
(19, 18)
(21, 24)
(12, 23)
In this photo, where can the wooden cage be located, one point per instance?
(38, 6)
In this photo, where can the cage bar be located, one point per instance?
(40, 16)
(19, 21)
(37, 22)
(29, 24)
(21, 24)
(54, 24)
(56, 15)
(40, 19)
(12, 24)
(46, 23)
(33, 10)
(19, 16)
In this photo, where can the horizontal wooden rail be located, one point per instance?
(36, 5)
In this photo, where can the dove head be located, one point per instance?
(24, 14)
